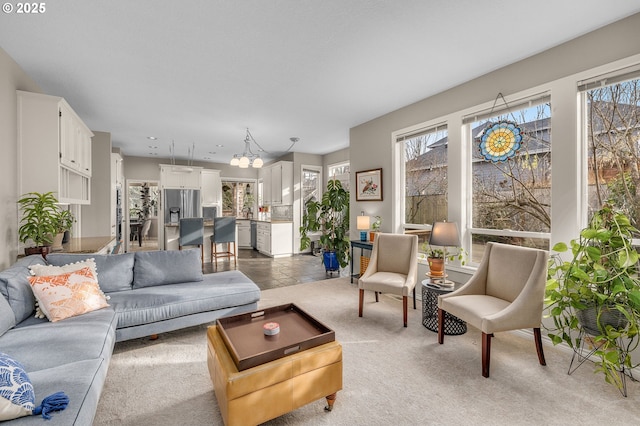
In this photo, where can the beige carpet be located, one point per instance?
(392, 375)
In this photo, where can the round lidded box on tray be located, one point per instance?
(271, 328)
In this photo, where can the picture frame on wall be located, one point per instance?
(369, 185)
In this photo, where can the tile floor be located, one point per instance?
(265, 271)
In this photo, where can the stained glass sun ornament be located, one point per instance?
(500, 141)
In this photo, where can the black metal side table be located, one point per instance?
(452, 324)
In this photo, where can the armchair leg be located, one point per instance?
(486, 353)
(404, 310)
(538, 338)
(440, 326)
(361, 301)
(414, 298)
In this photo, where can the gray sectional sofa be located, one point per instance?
(150, 293)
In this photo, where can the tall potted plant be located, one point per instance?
(595, 294)
(39, 221)
(331, 217)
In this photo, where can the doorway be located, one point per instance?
(141, 215)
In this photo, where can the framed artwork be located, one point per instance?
(369, 185)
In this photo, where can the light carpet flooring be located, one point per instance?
(392, 375)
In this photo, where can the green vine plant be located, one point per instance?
(602, 276)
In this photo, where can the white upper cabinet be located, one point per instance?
(180, 177)
(54, 149)
(211, 187)
(278, 183)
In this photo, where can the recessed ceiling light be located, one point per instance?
(152, 138)
(220, 146)
(206, 158)
(153, 153)
(212, 152)
(153, 147)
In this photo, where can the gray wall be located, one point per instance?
(12, 78)
(371, 144)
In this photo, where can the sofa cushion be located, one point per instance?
(67, 295)
(115, 271)
(82, 381)
(7, 319)
(15, 287)
(40, 344)
(154, 268)
(152, 304)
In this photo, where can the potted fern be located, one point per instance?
(331, 217)
(593, 295)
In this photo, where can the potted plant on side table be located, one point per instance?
(375, 228)
(39, 221)
(593, 296)
(436, 258)
(331, 217)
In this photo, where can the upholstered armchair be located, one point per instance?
(393, 269)
(505, 293)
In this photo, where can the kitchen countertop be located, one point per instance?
(86, 244)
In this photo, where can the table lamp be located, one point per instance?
(363, 226)
(445, 234)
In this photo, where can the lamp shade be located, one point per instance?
(244, 162)
(444, 234)
(363, 222)
(257, 163)
(235, 161)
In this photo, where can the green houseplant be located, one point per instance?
(595, 294)
(331, 217)
(39, 221)
(64, 223)
(437, 256)
(375, 227)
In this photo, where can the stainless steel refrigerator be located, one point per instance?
(181, 204)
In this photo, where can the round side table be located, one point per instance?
(452, 324)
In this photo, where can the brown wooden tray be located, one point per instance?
(249, 347)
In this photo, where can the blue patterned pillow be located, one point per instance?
(17, 398)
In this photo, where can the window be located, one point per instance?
(511, 198)
(612, 137)
(311, 184)
(143, 201)
(424, 160)
(341, 172)
(238, 199)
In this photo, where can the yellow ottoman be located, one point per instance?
(264, 392)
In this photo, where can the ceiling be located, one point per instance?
(198, 73)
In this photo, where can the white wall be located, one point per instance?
(556, 70)
(12, 78)
(96, 217)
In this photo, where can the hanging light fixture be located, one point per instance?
(247, 158)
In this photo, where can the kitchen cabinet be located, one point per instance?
(211, 188)
(75, 141)
(54, 149)
(275, 239)
(278, 184)
(244, 233)
(180, 177)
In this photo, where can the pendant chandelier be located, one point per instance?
(248, 158)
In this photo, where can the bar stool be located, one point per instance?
(192, 234)
(224, 231)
